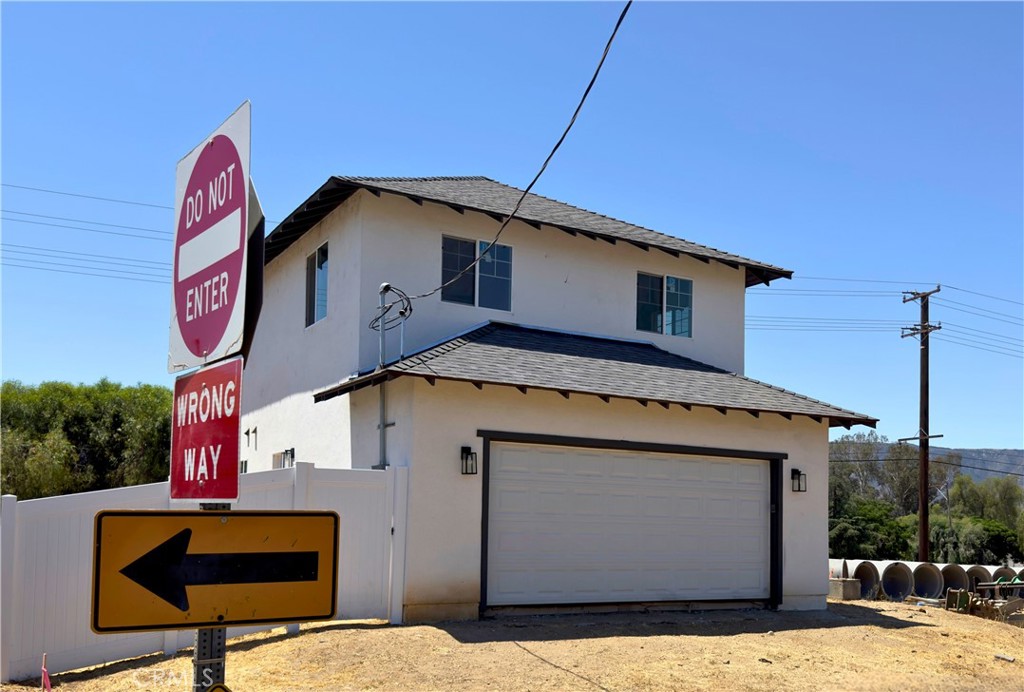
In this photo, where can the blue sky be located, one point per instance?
(873, 142)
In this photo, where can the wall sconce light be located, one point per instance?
(468, 462)
(799, 481)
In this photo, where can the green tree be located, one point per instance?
(60, 438)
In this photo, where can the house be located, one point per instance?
(588, 370)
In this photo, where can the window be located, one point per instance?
(488, 284)
(664, 305)
(316, 285)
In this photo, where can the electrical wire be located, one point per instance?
(81, 256)
(75, 194)
(382, 312)
(95, 223)
(92, 230)
(930, 461)
(978, 348)
(947, 301)
(983, 295)
(6, 263)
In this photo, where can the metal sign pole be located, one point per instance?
(211, 642)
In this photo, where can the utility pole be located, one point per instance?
(922, 330)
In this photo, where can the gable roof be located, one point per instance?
(479, 194)
(532, 358)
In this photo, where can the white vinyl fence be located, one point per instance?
(46, 561)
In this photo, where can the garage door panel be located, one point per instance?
(580, 526)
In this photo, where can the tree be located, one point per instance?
(60, 438)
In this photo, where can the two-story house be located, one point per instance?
(571, 406)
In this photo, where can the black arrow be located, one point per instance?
(167, 569)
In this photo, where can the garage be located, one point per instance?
(578, 522)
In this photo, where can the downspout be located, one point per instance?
(382, 462)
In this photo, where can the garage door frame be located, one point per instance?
(774, 460)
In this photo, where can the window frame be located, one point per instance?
(664, 323)
(477, 247)
(312, 288)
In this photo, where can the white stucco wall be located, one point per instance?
(558, 281)
(288, 361)
(443, 546)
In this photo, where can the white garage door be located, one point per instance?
(569, 525)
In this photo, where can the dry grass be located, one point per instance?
(852, 646)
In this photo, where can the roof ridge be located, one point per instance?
(395, 178)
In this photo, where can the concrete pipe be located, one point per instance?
(928, 582)
(897, 579)
(836, 569)
(1001, 572)
(868, 576)
(976, 574)
(954, 576)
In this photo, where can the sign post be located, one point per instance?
(218, 249)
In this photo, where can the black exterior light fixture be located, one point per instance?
(468, 461)
(799, 481)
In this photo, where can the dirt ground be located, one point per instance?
(856, 645)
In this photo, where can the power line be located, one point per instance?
(978, 314)
(75, 194)
(870, 281)
(95, 223)
(953, 327)
(933, 461)
(977, 348)
(78, 266)
(947, 301)
(90, 230)
(84, 259)
(23, 248)
(558, 144)
(984, 295)
(68, 271)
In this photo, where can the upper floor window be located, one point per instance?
(664, 305)
(316, 285)
(488, 284)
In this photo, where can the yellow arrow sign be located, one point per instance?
(157, 570)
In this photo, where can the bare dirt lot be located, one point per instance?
(855, 645)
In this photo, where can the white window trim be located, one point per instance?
(306, 288)
(664, 304)
(476, 276)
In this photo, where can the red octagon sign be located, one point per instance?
(209, 245)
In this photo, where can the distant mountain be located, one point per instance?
(988, 462)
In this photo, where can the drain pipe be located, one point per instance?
(382, 462)
(867, 573)
(954, 576)
(897, 579)
(928, 582)
(976, 574)
(1001, 572)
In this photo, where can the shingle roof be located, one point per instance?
(528, 357)
(480, 194)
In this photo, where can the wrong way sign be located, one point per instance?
(205, 423)
(211, 211)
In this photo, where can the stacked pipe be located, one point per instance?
(896, 580)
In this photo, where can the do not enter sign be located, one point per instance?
(211, 214)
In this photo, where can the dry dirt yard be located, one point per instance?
(856, 645)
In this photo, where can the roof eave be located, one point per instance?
(335, 191)
(376, 377)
